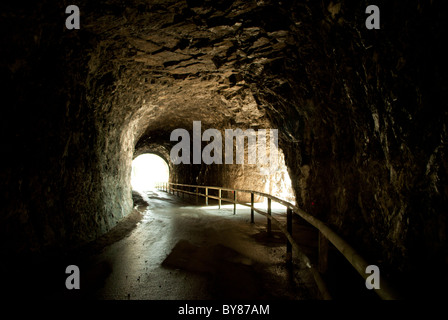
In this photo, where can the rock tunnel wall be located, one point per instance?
(360, 112)
(249, 172)
(51, 182)
(369, 126)
(236, 176)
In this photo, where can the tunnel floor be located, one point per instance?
(180, 250)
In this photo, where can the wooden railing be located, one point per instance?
(385, 291)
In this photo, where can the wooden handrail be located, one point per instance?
(386, 291)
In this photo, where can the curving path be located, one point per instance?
(179, 250)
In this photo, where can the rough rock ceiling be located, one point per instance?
(190, 59)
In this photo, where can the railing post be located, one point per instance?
(197, 195)
(206, 196)
(322, 263)
(219, 200)
(252, 207)
(289, 230)
(234, 201)
(269, 213)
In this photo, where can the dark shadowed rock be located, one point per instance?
(361, 115)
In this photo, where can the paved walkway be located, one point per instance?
(180, 250)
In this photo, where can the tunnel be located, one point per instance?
(360, 114)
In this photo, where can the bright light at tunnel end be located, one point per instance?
(147, 170)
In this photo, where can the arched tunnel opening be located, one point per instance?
(147, 170)
(361, 141)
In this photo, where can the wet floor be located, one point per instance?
(180, 250)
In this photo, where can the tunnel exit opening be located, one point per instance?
(147, 170)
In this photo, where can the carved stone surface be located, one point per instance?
(360, 113)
